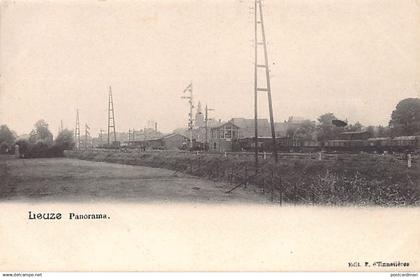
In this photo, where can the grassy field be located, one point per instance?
(77, 180)
(345, 180)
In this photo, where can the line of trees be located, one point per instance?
(324, 129)
(39, 144)
(405, 121)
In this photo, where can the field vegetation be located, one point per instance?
(361, 180)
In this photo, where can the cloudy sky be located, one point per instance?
(356, 59)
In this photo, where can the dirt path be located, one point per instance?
(77, 180)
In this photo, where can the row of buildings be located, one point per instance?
(207, 134)
(216, 135)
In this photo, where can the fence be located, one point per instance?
(409, 160)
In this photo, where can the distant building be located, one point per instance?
(174, 141)
(224, 137)
(199, 132)
(296, 119)
(281, 129)
(168, 142)
(247, 127)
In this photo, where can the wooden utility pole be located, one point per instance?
(86, 135)
(207, 126)
(256, 85)
(259, 20)
(77, 131)
(101, 136)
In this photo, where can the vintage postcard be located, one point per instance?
(222, 135)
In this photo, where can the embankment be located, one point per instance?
(345, 180)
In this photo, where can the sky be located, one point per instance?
(357, 59)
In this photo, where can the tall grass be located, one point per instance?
(379, 181)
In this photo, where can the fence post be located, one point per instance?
(272, 184)
(265, 155)
(191, 159)
(409, 160)
(263, 183)
(246, 175)
(281, 192)
(225, 154)
(320, 156)
(313, 194)
(231, 174)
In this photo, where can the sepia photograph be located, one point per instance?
(195, 135)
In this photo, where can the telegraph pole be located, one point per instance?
(130, 136)
(101, 136)
(190, 115)
(206, 121)
(111, 118)
(86, 135)
(77, 131)
(258, 14)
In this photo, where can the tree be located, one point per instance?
(382, 132)
(7, 138)
(326, 119)
(326, 129)
(356, 127)
(41, 133)
(303, 130)
(65, 140)
(371, 131)
(6, 135)
(405, 119)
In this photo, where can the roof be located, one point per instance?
(247, 127)
(223, 124)
(405, 138)
(249, 123)
(172, 135)
(373, 139)
(354, 133)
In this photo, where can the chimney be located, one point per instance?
(155, 126)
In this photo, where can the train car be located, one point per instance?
(370, 145)
(404, 143)
(375, 145)
(342, 145)
(378, 145)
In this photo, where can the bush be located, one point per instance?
(39, 149)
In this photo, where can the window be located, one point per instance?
(228, 132)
